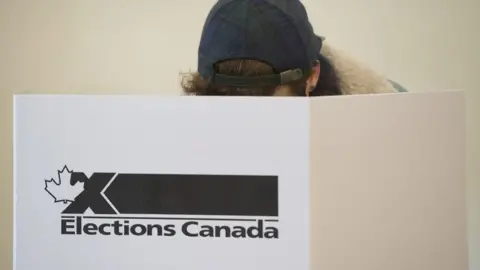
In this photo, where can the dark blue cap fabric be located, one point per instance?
(277, 32)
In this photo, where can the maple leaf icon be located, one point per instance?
(62, 189)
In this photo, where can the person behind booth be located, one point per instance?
(269, 48)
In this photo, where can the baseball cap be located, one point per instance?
(276, 32)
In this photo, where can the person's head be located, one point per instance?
(260, 48)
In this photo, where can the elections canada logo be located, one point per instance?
(167, 205)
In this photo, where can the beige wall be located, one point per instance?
(121, 46)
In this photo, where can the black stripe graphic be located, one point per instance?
(171, 218)
(229, 195)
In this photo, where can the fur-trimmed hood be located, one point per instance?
(355, 77)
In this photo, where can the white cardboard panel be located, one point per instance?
(153, 135)
(388, 182)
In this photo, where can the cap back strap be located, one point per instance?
(282, 78)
